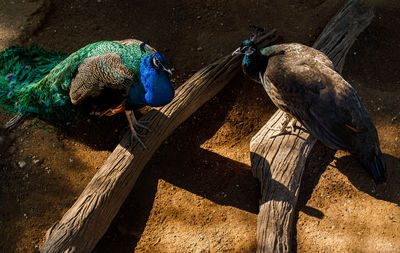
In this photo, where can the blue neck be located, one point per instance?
(135, 98)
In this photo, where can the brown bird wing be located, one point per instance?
(98, 73)
(326, 105)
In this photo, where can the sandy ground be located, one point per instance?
(197, 193)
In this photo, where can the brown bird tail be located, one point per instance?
(376, 166)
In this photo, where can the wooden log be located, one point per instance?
(279, 162)
(87, 220)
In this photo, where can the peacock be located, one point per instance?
(49, 85)
(302, 82)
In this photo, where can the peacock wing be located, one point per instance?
(98, 73)
(333, 111)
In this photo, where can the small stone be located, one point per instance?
(199, 49)
(26, 216)
(198, 17)
(70, 160)
(21, 164)
(36, 161)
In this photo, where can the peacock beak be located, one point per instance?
(237, 51)
(168, 70)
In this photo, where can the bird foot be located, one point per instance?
(141, 124)
(288, 126)
(113, 110)
(130, 115)
(282, 131)
(135, 136)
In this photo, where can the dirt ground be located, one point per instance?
(197, 193)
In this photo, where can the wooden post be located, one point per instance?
(87, 220)
(279, 162)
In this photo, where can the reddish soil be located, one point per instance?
(197, 193)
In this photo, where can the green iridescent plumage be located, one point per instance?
(34, 81)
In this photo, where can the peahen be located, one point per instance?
(50, 85)
(302, 82)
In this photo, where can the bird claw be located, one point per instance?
(132, 124)
(285, 128)
(113, 110)
(142, 124)
(135, 136)
(140, 135)
(282, 131)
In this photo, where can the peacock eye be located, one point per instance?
(156, 62)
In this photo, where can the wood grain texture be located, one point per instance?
(279, 162)
(87, 220)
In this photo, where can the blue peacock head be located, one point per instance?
(159, 63)
(154, 76)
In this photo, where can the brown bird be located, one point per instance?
(302, 82)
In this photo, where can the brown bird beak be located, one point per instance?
(169, 71)
(237, 51)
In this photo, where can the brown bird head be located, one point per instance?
(248, 47)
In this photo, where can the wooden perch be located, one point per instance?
(87, 220)
(279, 162)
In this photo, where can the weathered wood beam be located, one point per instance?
(279, 162)
(87, 220)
